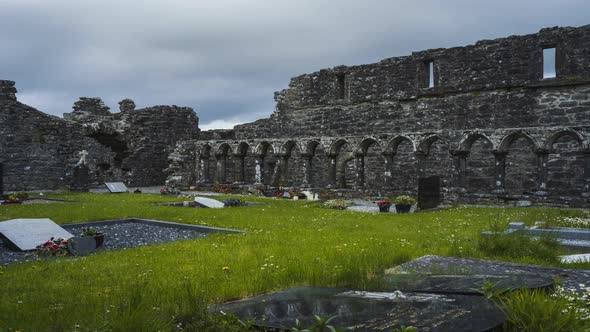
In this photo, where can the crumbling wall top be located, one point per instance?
(515, 61)
(7, 90)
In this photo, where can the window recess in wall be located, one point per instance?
(427, 74)
(340, 86)
(549, 63)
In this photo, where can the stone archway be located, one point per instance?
(565, 164)
(293, 171)
(372, 164)
(317, 165)
(479, 165)
(403, 166)
(521, 169)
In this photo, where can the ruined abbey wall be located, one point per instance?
(485, 120)
(39, 151)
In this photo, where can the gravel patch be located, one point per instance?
(118, 236)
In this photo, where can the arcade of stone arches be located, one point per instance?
(557, 163)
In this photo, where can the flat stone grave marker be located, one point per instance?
(116, 187)
(27, 234)
(462, 284)
(368, 311)
(570, 278)
(82, 245)
(209, 203)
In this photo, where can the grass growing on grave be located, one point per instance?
(288, 243)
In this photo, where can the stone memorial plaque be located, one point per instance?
(82, 245)
(27, 234)
(209, 203)
(428, 192)
(368, 311)
(462, 284)
(116, 187)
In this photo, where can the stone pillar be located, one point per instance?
(500, 172)
(542, 158)
(307, 170)
(359, 166)
(283, 170)
(221, 167)
(421, 156)
(205, 170)
(332, 170)
(241, 169)
(460, 157)
(388, 166)
(259, 169)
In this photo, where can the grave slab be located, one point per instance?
(368, 311)
(570, 278)
(462, 284)
(209, 203)
(27, 234)
(116, 187)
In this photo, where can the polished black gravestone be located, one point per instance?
(570, 278)
(368, 311)
(428, 192)
(462, 284)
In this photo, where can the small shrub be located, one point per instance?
(519, 246)
(88, 231)
(338, 204)
(538, 311)
(21, 195)
(404, 200)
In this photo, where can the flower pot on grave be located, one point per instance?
(99, 238)
(402, 208)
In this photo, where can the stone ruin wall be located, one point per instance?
(490, 127)
(39, 151)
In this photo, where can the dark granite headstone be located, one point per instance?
(368, 311)
(428, 192)
(82, 245)
(81, 179)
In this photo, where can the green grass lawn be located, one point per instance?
(288, 243)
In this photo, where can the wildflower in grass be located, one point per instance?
(225, 269)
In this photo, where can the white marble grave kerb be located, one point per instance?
(208, 202)
(116, 187)
(27, 234)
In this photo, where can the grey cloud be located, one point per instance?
(226, 58)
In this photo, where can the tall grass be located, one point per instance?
(288, 243)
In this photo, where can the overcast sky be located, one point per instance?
(225, 58)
